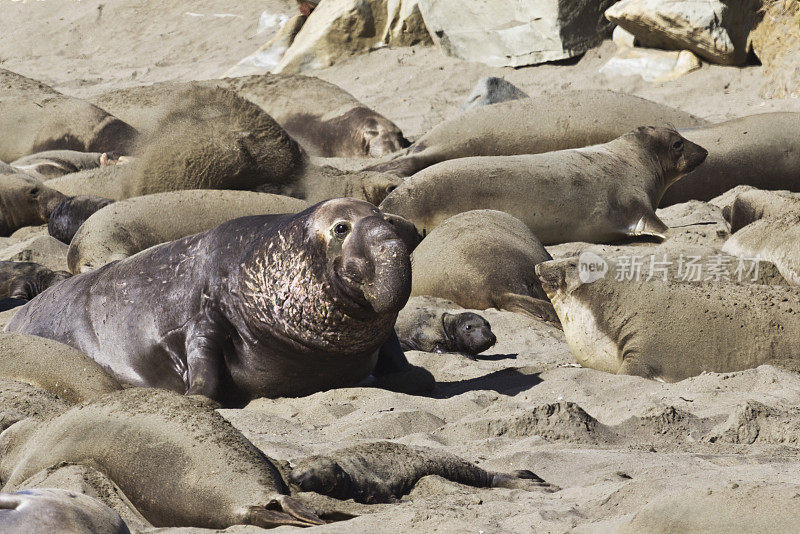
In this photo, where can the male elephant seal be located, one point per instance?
(130, 226)
(773, 239)
(482, 259)
(25, 280)
(324, 118)
(570, 119)
(383, 471)
(265, 305)
(759, 150)
(597, 194)
(55, 163)
(24, 201)
(175, 458)
(671, 330)
(56, 510)
(71, 213)
(43, 119)
(432, 330)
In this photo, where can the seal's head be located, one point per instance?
(376, 186)
(471, 333)
(379, 135)
(331, 278)
(367, 254)
(324, 476)
(24, 201)
(676, 155)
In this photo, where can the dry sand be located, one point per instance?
(716, 451)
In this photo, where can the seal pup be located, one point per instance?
(382, 472)
(57, 510)
(130, 226)
(773, 239)
(482, 259)
(24, 201)
(178, 461)
(44, 119)
(24, 280)
(54, 367)
(759, 150)
(569, 119)
(596, 194)
(491, 90)
(270, 305)
(55, 163)
(752, 205)
(433, 330)
(324, 118)
(670, 330)
(71, 213)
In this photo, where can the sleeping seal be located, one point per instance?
(596, 194)
(55, 163)
(482, 259)
(754, 204)
(24, 201)
(56, 510)
(569, 119)
(25, 280)
(269, 305)
(174, 457)
(671, 330)
(130, 226)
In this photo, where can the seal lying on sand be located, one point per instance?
(671, 330)
(25, 280)
(57, 510)
(773, 239)
(53, 366)
(265, 305)
(324, 118)
(177, 460)
(750, 206)
(491, 90)
(383, 471)
(760, 150)
(36, 118)
(24, 201)
(132, 225)
(596, 194)
(55, 163)
(569, 119)
(483, 259)
(432, 330)
(71, 213)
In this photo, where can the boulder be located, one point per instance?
(776, 42)
(505, 34)
(717, 31)
(651, 64)
(338, 29)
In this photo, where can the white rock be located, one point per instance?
(517, 33)
(715, 30)
(652, 65)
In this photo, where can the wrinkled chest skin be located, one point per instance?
(241, 311)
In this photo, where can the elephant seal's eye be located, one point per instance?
(341, 229)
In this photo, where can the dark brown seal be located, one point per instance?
(24, 280)
(71, 213)
(270, 305)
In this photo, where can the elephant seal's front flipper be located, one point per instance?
(649, 225)
(537, 308)
(293, 513)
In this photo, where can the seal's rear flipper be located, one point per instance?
(282, 511)
(649, 225)
(522, 479)
(537, 308)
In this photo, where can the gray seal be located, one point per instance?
(596, 194)
(434, 330)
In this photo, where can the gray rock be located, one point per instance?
(502, 34)
(491, 90)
